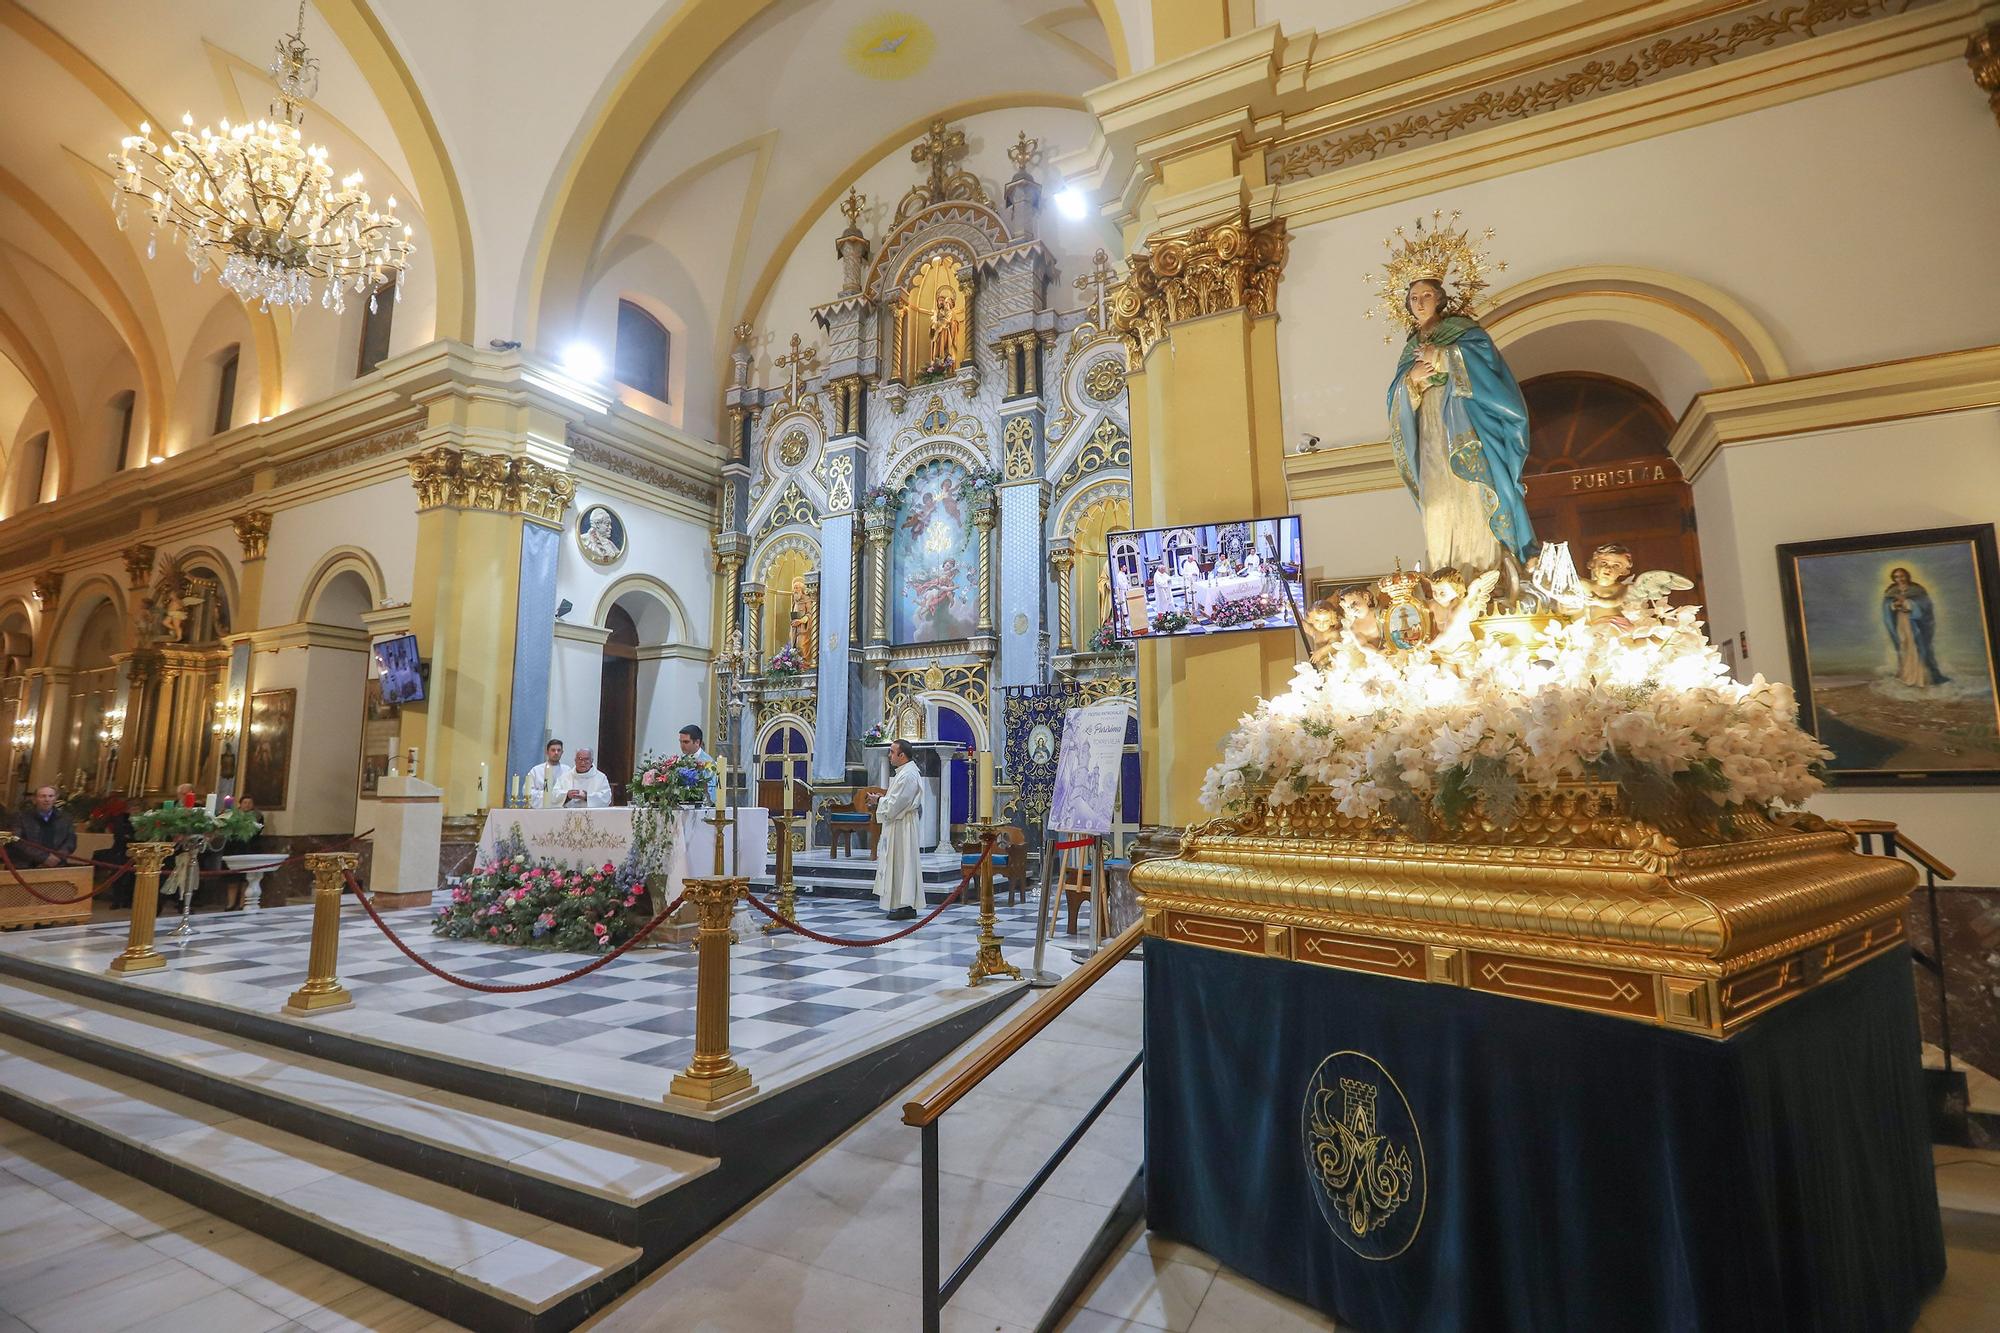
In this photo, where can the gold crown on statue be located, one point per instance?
(1440, 252)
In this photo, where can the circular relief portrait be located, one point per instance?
(600, 534)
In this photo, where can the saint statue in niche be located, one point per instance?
(944, 328)
(1458, 426)
(933, 321)
(805, 620)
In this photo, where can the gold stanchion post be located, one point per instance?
(147, 860)
(788, 896)
(713, 1075)
(323, 990)
(988, 962)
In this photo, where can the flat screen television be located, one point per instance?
(1206, 578)
(402, 670)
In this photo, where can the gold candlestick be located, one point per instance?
(788, 900)
(988, 962)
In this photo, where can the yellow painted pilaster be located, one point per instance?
(1184, 26)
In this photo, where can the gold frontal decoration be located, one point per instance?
(1439, 253)
(1577, 903)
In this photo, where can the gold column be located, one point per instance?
(323, 990)
(1061, 560)
(988, 961)
(472, 509)
(878, 564)
(753, 627)
(139, 955)
(788, 893)
(982, 520)
(728, 565)
(1197, 310)
(713, 1075)
(253, 534)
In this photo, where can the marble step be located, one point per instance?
(473, 1261)
(551, 1167)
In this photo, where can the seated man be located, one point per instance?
(47, 834)
(587, 784)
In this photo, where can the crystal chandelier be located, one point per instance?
(259, 205)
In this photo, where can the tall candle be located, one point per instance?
(721, 787)
(788, 793)
(482, 784)
(986, 786)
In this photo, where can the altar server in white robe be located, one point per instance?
(898, 871)
(549, 782)
(587, 784)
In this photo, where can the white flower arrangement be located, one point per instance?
(1422, 737)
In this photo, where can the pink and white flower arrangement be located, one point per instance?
(671, 780)
(509, 901)
(1423, 737)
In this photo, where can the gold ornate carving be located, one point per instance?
(1982, 52)
(253, 532)
(48, 588)
(1018, 438)
(139, 564)
(1692, 46)
(1200, 271)
(967, 681)
(800, 361)
(941, 149)
(588, 449)
(460, 478)
(792, 448)
(792, 508)
(1579, 904)
(1108, 447)
(1104, 380)
(1095, 286)
(386, 441)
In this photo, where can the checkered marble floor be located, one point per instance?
(797, 1007)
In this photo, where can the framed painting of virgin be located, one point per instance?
(1892, 647)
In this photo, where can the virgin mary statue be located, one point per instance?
(1458, 426)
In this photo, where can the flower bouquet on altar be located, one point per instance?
(1106, 640)
(877, 734)
(541, 905)
(671, 781)
(786, 665)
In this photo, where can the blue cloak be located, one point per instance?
(1486, 420)
(1923, 625)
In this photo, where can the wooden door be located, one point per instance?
(618, 703)
(1598, 472)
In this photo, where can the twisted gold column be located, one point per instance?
(983, 521)
(139, 955)
(730, 565)
(323, 990)
(753, 627)
(1061, 562)
(878, 558)
(988, 962)
(713, 1076)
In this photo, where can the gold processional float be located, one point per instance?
(1569, 801)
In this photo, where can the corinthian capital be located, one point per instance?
(463, 479)
(1200, 271)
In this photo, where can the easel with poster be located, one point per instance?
(1082, 811)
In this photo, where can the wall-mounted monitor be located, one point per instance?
(402, 670)
(1207, 578)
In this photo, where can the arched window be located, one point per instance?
(225, 387)
(376, 319)
(643, 349)
(1598, 471)
(123, 406)
(787, 753)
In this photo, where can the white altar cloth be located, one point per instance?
(1211, 593)
(581, 837)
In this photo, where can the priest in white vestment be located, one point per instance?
(899, 867)
(549, 782)
(587, 784)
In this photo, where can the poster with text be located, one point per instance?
(1093, 743)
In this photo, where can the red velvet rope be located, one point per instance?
(488, 988)
(103, 888)
(911, 929)
(1075, 843)
(69, 858)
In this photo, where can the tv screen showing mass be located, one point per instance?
(402, 670)
(1206, 578)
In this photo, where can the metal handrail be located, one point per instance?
(925, 1112)
(1895, 842)
(971, 1071)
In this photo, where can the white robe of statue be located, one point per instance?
(898, 871)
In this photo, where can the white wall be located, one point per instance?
(322, 788)
(1924, 473)
(380, 519)
(1844, 222)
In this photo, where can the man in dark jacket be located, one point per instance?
(45, 825)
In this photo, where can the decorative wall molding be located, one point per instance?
(1345, 471)
(460, 478)
(388, 440)
(1858, 396)
(587, 448)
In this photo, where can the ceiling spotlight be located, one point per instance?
(583, 361)
(1072, 203)
(157, 458)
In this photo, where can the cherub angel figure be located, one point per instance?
(1360, 621)
(1612, 593)
(1456, 604)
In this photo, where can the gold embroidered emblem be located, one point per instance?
(1364, 1156)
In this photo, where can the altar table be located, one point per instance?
(1207, 594)
(577, 836)
(1511, 1166)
